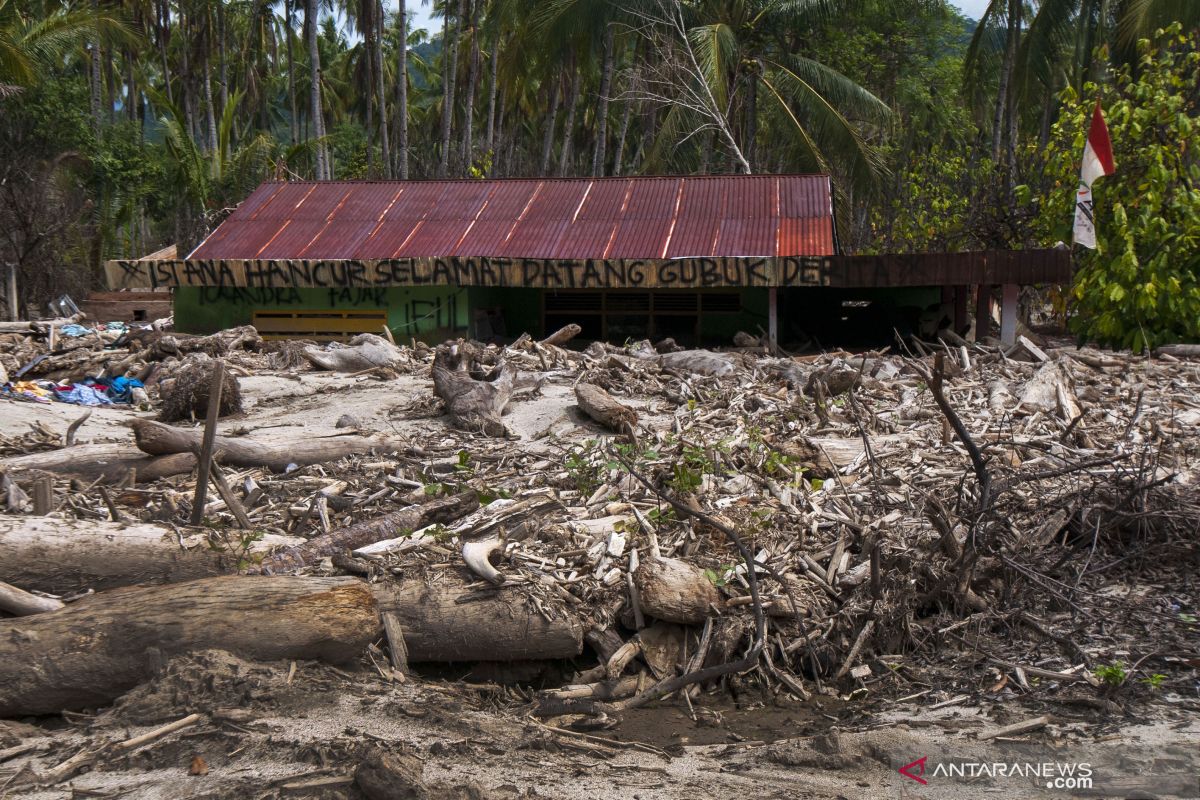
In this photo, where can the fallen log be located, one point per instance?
(95, 649)
(605, 409)
(563, 335)
(1178, 350)
(22, 604)
(674, 591)
(63, 556)
(697, 362)
(365, 351)
(448, 622)
(473, 401)
(108, 463)
(442, 510)
(158, 439)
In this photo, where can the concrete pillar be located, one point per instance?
(983, 312)
(773, 318)
(1008, 314)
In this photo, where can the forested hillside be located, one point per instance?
(129, 124)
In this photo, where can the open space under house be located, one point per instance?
(692, 258)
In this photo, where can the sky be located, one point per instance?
(420, 12)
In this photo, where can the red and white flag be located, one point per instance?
(1097, 162)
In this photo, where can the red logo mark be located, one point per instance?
(915, 770)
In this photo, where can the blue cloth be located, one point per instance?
(83, 395)
(120, 390)
(74, 330)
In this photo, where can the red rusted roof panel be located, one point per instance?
(293, 239)
(725, 215)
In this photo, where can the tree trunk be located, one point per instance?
(294, 122)
(606, 75)
(605, 409)
(65, 556)
(443, 510)
(210, 113)
(1007, 68)
(311, 16)
(94, 650)
(450, 58)
(402, 95)
(564, 158)
(369, 110)
(493, 90)
(626, 113)
(163, 12)
(551, 119)
(94, 78)
(468, 144)
(448, 622)
(385, 154)
(158, 439)
(108, 463)
(473, 404)
(751, 123)
(223, 56)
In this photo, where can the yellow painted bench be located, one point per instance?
(321, 324)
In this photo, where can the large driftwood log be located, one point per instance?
(448, 622)
(365, 351)
(698, 362)
(22, 604)
(95, 649)
(62, 556)
(675, 591)
(563, 335)
(442, 510)
(1179, 350)
(475, 395)
(158, 439)
(109, 463)
(605, 409)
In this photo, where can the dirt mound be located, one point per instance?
(203, 681)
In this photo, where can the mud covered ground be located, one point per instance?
(933, 685)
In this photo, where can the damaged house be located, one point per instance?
(692, 258)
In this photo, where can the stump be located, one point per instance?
(474, 391)
(675, 591)
(605, 409)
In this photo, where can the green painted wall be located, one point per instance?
(431, 313)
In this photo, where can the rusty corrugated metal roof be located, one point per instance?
(630, 218)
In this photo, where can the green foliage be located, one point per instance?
(1112, 675)
(1139, 289)
(1153, 682)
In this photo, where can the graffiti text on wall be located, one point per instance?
(529, 272)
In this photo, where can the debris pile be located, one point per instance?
(847, 526)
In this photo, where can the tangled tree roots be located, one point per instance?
(185, 393)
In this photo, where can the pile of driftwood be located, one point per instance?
(819, 524)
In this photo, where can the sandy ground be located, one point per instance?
(321, 723)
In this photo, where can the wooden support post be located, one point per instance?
(43, 496)
(960, 309)
(206, 444)
(773, 318)
(983, 312)
(1008, 314)
(13, 307)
